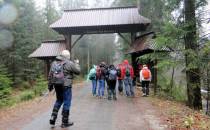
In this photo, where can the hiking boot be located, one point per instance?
(65, 119)
(132, 96)
(115, 98)
(53, 116)
(144, 95)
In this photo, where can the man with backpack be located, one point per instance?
(61, 78)
(92, 77)
(112, 79)
(128, 75)
(145, 79)
(101, 75)
(120, 78)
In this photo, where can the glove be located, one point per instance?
(50, 87)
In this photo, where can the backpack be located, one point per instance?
(92, 76)
(118, 72)
(145, 73)
(57, 73)
(127, 71)
(98, 72)
(112, 74)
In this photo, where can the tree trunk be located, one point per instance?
(208, 91)
(192, 74)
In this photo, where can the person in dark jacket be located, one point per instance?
(112, 79)
(63, 91)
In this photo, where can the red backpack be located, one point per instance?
(146, 73)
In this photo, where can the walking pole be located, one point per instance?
(45, 95)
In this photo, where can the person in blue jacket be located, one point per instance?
(92, 77)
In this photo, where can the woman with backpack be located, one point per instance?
(145, 79)
(112, 79)
(92, 77)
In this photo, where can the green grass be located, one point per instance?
(24, 93)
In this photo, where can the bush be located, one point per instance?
(25, 85)
(5, 87)
(177, 93)
(27, 95)
(40, 86)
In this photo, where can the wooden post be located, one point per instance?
(68, 44)
(133, 58)
(47, 68)
(155, 76)
(88, 58)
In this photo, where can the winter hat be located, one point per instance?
(102, 64)
(66, 54)
(126, 62)
(144, 65)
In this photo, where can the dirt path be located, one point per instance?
(90, 113)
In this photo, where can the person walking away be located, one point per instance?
(61, 78)
(106, 67)
(128, 75)
(145, 79)
(100, 74)
(92, 77)
(120, 78)
(112, 79)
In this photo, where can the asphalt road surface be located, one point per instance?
(91, 113)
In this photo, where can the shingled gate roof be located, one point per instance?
(146, 44)
(49, 49)
(101, 20)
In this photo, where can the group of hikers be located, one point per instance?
(123, 73)
(61, 77)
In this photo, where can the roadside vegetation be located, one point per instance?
(24, 93)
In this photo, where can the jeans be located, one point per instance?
(129, 88)
(145, 87)
(94, 87)
(111, 89)
(64, 96)
(101, 87)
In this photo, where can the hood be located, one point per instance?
(59, 57)
(126, 62)
(94, 66)
(111, 67)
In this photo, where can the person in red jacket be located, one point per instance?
(120, 78)
(128, 74)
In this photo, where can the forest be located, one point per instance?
(181, 25)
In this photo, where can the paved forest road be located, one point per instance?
(91, 113)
